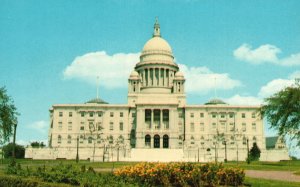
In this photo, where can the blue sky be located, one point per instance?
(252, 48)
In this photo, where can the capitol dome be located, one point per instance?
(157, 44)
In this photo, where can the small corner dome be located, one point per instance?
(179, 74)
(97, 101)
(157, 44)
(216, 102)
(134, 74)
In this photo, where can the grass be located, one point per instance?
(254, 182)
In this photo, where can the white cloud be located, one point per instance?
(292, 60)
(40, 126)
(295, 75)
(243, 100)
(202, 80)
(112, 70)
(274, 86)
(264, 53)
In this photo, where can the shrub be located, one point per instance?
(181, 174)
(8, 149)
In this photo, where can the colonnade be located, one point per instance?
(157, 120)
(161, 77)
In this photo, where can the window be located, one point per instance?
(244, 140)
(192, 140)
(254, 139)
(81, 139)
(165, 141)
(133, 114)
(192, 115)
(192, 127)
(111, 139)
(60, 114)
(214, 125)
(148, 140)
(243, 115)
(111, 126)
(201, 126)
(201, 115)
(82, 114)
(214, 115)
(90, 140)
(82, 128)
(59, 139)
(231, 115)
(231, 126)
(222, 115)
(91, 114)
(69, 139)
(254, 126)
(121, 126)
(111, 114)
(222, 126)
(180, 126)
(180, 115)
(91, 126)
(121, 114)
(99, 126)
(244, 127)
(253, 115)
(70, 126)
(70, 114)
(60, 125)
(99, 114)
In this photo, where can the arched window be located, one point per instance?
(165, 141)
(59, 139)
(148, 140)
(254, 139)
(202, 140)
(156, 141)
(69, 139)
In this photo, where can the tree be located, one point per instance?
(282, 112)
(254, 153)
(8, 149)
(37, 144)
(8, 116)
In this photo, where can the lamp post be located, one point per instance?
(77, 147)
(14, 141)
(225, 143)
(248, 159)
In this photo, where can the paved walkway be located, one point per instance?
(274, 175)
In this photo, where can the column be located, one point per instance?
(148, 75)
(165, 78)
(161, 118)
(152, 114)
(154, 77)
(159, 79)
(144, 77)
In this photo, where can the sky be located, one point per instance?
(52, 51)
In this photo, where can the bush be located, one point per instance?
(181, 174)
(254, 153)
(8, 149)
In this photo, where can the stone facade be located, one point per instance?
(156, 124)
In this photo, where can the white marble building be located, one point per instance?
(156, 124)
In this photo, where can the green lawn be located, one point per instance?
(274, 183)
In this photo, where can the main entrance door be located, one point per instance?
(156, 141)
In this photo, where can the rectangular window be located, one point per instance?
(99, 114)
(253, 115)
(60, 125)
(222, 115)
(82, 114)
(180, 127)
(214, 125)
(99, 126)
(91, 126)
(111, 126)
(244, 127)
(60, 114)
(192, 115)
(192, 127)
(91, 114)
(231, 115)
(111, 114)
(70, 126)
(70, 114)
(201, 115)
(121, 114)
(121, 126)
(254, 126)
(231, 126)
(223, 126)
(214, 115)
(82, 128)
(180, 115)
(133, 114)
(201, 126)
(243, 115)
